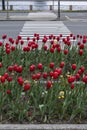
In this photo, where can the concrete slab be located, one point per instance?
(44, 127)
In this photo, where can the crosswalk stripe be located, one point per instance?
(43, 28)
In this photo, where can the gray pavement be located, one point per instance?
(44, 127)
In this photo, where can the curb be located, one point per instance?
(43, 127)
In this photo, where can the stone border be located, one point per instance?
(43, 127)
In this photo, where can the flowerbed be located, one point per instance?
(43, 85)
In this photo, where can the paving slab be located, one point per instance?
(44, 127)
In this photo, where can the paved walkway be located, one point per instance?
(44, 127)
(40, 16)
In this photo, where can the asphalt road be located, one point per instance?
(77, 27)
(11, 28)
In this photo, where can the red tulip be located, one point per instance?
(1, 43)
(85, 79)
(4, 36)
(52, 50)
(45, 48)
(29, 114)
(28, 38)
(19, 69)
(49, 84)
(51, 73)
(40, 66)
(77, 76)
(13, 48)
(1, 65)
(79, 71)
(72, 86)
(15, 67)
(27, 87)
(58, 38)
(24, 48)
(20, 81)
(74, 66)
(9, 78)
(61, 35)
(71, 79)
(55, 75)
(81, 46)
(21, 42)
(82, 69)
(11, 40)
(32, 68)
(38, 76)
(3, 79)
(62, 64)
(80, 52)
(10, 68)
(78, 35)
(8, 51)
(8, 91)
(59, 49)
(52, 41)
(19, 37)
(66, 52)
(44, 40)
(58, 70)
(28, 49)
(34, 76)
(52, 65)
(79, 43)
(84, 41)
(45, 75)
(71, 35)
(6, 75)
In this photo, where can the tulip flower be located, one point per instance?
(62, 64)
(32, 68)
(49, 84)
(1, 65)
(45, 75)
(74, 66)
(1, 43)
(4, 36)
(27, 87)
(65, 51)
(8, 91)
(3, 79)
(52, 50)
(10, 68)
(72, 86)
(52, 65)
(80, 52)
(71, 79)
(40, 66)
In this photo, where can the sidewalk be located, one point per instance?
(44, 127)
(35, 16)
